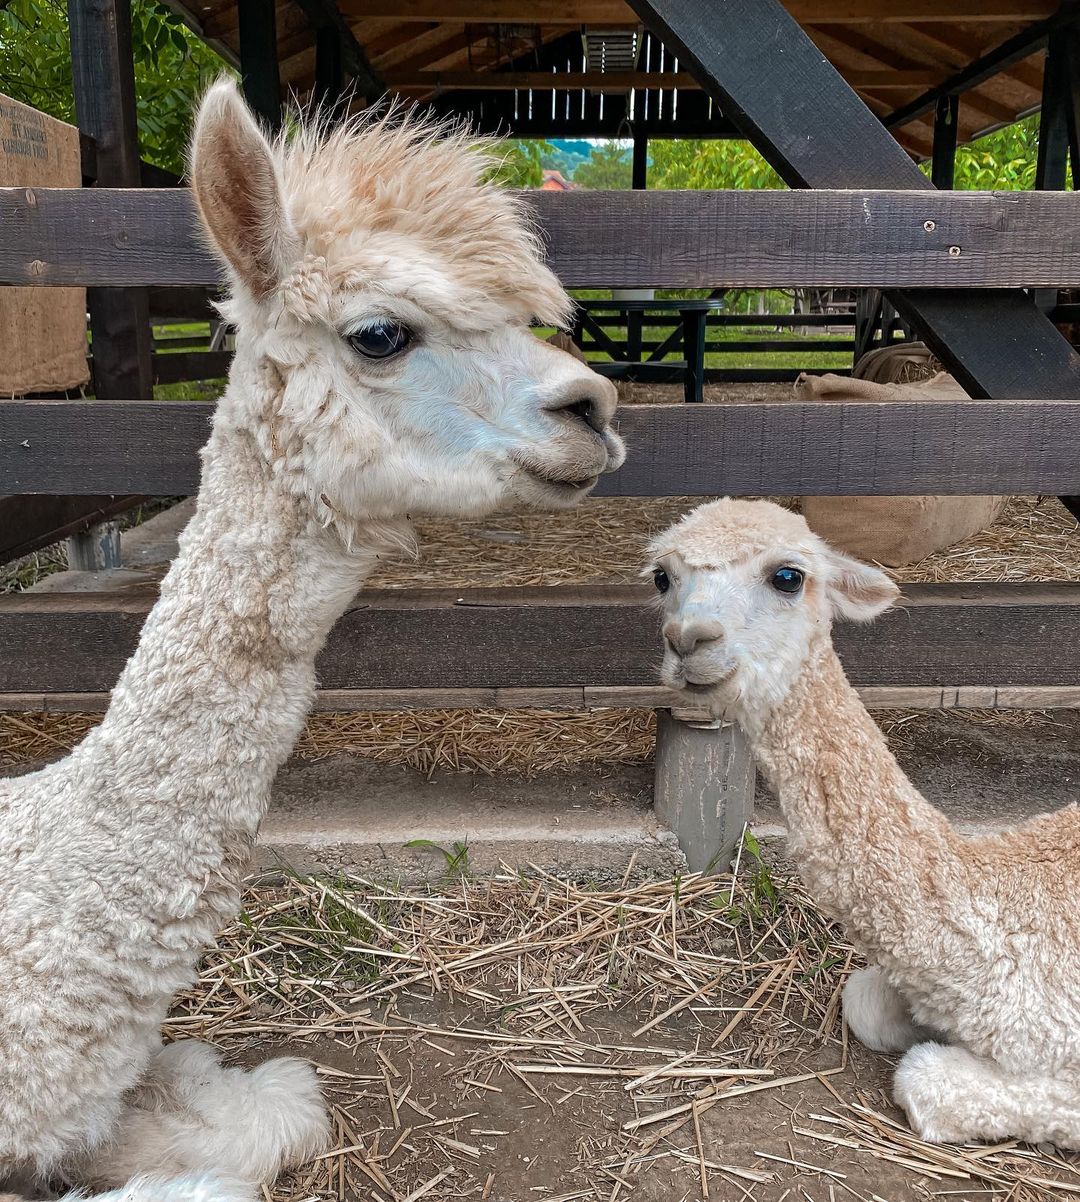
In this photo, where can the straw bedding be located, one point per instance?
(523, 1037)
(1035, 539)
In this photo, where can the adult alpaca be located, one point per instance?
(974, 939)
(381, 294)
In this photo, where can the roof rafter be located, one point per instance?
(604, 12)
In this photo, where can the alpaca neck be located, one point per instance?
(216, 693)
(858, 828)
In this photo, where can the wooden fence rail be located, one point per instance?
(396, 640)
(884, 239)
(938, 447)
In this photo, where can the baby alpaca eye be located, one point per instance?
(787, 580)
(380, 339)
(660, 579)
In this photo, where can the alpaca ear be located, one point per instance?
(857, 591)
(238, 190)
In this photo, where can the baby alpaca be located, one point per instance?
(382, 294)
(974, 943)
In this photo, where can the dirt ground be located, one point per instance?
(524, 1038)
(554, 1138)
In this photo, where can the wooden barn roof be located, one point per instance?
(893, 52)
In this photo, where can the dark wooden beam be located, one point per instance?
(563, 81)
(1057, 128)
(767, 238)
(1053, 161)
(615, 13)
(601, 636)
(943, 162)
(28, 523)
(817, 133)
(329, 70)
(177, 367)
(259, 74)
(1011, 51)
(501, 113)
(103, 79)
(787, 448)
(1071, 54)
(192, 304)
(326, 19)
(858, 238)
(640, 167)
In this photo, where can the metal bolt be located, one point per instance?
(929, 226)
(954, 252)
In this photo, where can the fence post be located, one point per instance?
(95, 549)
(943, 161)
(704, 787)
(260, 77)
(103, 79)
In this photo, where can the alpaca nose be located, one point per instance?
(588, 398)
(684, 638)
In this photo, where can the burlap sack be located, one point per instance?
(565, 343)
(900, 363)
(893, 530)
(44, 328)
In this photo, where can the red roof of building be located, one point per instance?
(555, 182)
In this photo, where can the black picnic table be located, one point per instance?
(689, 334)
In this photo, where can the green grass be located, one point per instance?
(802, 358)
(190, 390)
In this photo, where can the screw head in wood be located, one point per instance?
(954, 252)
(929, 226)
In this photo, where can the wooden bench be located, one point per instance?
(1002, 644)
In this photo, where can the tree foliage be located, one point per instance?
(608, 167)
(714, 163)
(522, 162)
(172, 68)
(1004, 160)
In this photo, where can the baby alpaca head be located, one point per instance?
(747, 593)
(382, 294)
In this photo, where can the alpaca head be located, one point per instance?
(382, 294)
(747, 594)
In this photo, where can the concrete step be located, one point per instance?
(344, 813)
(347, 813)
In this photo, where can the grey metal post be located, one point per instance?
(704, 788)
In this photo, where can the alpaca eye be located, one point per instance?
(380, 339)
(660, 579)
(787, 580)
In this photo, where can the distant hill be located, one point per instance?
(568, 155)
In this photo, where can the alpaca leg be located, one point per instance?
(191, 1115)
(951, 1096)
(877, 1014)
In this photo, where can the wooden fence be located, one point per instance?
(1003, 643)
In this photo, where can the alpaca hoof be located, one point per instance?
(877, 1014)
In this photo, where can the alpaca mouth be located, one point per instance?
(688, 685)
(560, 484)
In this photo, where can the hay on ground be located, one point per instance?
(1036, 539)
(641, 1017)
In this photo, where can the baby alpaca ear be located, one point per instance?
(238, 190)
(857, 591)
